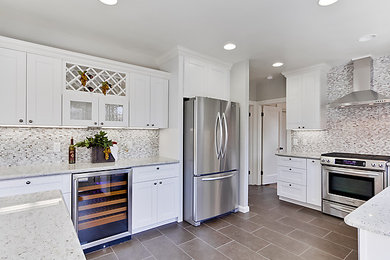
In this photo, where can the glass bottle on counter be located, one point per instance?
(72, 152)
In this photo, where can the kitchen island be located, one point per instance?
(37, 226)
(373, 222)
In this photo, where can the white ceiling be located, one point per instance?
(298, 32)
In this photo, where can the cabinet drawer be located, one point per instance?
(293, 175)
(292, 162)
(149, 173)
(35, 184)
(292, 191)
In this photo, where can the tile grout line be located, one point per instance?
(349, 254)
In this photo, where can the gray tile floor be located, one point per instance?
(272, 230)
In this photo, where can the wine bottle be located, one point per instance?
(72, 152)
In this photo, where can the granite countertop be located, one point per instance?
(37, 226)
(300, 155)
(374, 215)
(15, 172)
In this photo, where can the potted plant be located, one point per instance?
(100, 145)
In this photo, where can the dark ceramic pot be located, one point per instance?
(98, 155)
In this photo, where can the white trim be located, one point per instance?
(301, 203)
(321, 67)
(14, 44)
(179, 50)
(272, 101)
(243, 209)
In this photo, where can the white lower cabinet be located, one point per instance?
(155, 198)
(38, 184)
(299, 180)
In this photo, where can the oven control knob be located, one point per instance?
(373, 164)
(380, 165)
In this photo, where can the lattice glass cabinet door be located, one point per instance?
(113, 111)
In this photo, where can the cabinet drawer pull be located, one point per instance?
(30, 121)
(160, 182)
(102, 123)
(20, 120)
(28, 182)
(95, 123)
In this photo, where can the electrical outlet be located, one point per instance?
(295, 141)
(56, 147)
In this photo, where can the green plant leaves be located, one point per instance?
(99, 140)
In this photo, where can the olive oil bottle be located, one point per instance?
(72, 152)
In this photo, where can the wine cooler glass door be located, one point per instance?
(101, 206)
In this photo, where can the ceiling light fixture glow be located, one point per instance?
(270, 77)
(109, 2)
(366, 38)
(229, 46)
(277, 64)
(326, 2)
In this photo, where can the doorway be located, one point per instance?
(267, 136)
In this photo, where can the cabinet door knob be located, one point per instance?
(152, 124)
(95, 123)
(289, 159)
(299, 127)
(290, 169)
(160, 182)
(313, 161)
(289, 185)
(147, 124)
(20, 120)
(30, 121)
(102, 123)
(158, 168)
(155, 183)
(303, 127)
(28, 182)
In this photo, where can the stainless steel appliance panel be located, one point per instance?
(336, 209)
(207, 135)
(230, 152)
(353, 187)
(215, 194)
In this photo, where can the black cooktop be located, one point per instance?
(358, 156)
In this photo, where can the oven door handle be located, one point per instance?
(354, 172)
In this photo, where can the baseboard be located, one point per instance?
(301, 203)
(243, 209)
(139, 230)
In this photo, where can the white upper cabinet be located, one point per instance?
(139, 100)
(44, 78)
(159, 102)
(306, 98)
(80, 109)
(148, 101)
(113, 111)
(206, 79)
(12, 87)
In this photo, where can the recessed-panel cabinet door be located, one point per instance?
(167, 199)
(43, 90)
(159, 102)
(314, 182)
(12, 87)
(144, 208)
(195, 77)
(80, 109)
(311, 110)
(294, 102)
(139, 100)
(113, 111)
(218, 82)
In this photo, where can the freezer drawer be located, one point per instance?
(215, 194)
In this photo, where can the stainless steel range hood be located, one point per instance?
(362, 81)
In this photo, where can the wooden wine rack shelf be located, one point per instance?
(102, 204)
(102, 221)
(101, 195)
(102, 186)
(102, 213)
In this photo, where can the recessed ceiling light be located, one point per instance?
(270, 77)
(109, 2)
(277, 64)
(326, 2)
(367, 37)
(229, 46)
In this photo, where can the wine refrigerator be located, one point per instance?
(101, 206)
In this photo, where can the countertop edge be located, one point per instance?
(308, 156)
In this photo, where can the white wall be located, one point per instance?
(239, 91)
(267, 89)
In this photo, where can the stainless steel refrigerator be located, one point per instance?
(211, 158)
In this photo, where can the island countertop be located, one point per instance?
(374, 215)
(37, 226)
(15, 172)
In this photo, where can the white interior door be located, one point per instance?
(270, 143)
(253, 180)
(283, 132)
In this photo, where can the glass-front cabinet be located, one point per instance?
(95, 97)
(100, 208)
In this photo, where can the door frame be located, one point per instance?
(255, 147)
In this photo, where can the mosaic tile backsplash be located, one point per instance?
(23, 146)
(363, 129)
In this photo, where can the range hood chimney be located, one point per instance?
(362, 93)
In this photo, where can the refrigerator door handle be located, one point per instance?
(226, 134)
(217, 178)
(218, 126)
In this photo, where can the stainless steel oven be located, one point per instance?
(349, 180)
